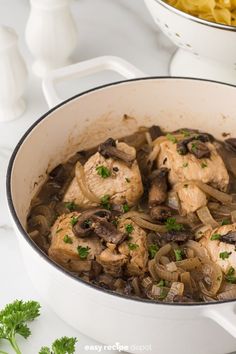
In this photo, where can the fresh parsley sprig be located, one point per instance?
(13, 321)
(64, 345)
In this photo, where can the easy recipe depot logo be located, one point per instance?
(118, 347)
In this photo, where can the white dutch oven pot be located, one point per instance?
(84, 121)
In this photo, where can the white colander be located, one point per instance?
(206, 49)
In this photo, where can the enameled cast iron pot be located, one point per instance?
(84, 121)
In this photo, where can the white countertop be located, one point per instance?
(106, 27)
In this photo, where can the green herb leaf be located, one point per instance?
(171, 138)
(185, 133)
(172, 225)
(193, 147)
(185, 164)
(105, 202)
(161, 283)
(74, 220)
(132, 246)
(215, 237)
(152, 250)
(63, 345)
(178, 255)
(83, 251)
(225, 222)
(71, 206)
(230, 277)
(129, 228)
(203, 165)
(14, 318)
(87, 223)
(67, 239)
(125, 208)
(103, 171)
(225, 255)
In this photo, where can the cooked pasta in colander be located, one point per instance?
(220, 11)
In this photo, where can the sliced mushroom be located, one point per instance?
(109, 149)
(230, 238)
(158, 190)
(97, 221)
(185, 146)
(178, 236)
(199, 149)
(231, 144)
(160, 213)
(84, 225)
(155, 131)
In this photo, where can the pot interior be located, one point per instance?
(115, 110)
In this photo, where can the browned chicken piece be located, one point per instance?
(221, 252)
(184, 168)
(124, 185)
(112, 262)
(135, 247)
(190, 196)
(64, 245)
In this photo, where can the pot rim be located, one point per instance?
(31, 242)
(196, 19)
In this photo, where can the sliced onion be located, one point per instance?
(206, 217)
(177, 289)
(199, 250)
(148, 225)
(215, 193)
(163, 251)
(233, 216)
(132, 213)
(164, 260)
(185, 278)
(189, 263)
(200, 232)
(135, 285)
(214, 272)
(147, 282)
(152, 270)
(171, 267)
(81, 180)
(163, 273)
(227, 295)
(148, 138)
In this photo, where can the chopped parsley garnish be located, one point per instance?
(185, 164)
(83, 251)
(103, 171)
(71, 206)
(225, 255)
(105, 202)
(225, 222)
(129, 228)
(115, 222)
(172, 225)
(230, 277)
(185, 133)
(132, 246)
(203, 165)
(161, 283)
(125, 208)
(67, 239)
(58, 230)
(215, 237)
(193, 147)
(74, 220)
(127, 180)
(178, 255)
(152, 250)
(171, 138)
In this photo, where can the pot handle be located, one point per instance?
(85, 68)
(226, 318)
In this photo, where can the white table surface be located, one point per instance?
(106, 27)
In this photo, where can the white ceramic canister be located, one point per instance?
(51, 34)
(13, 74)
